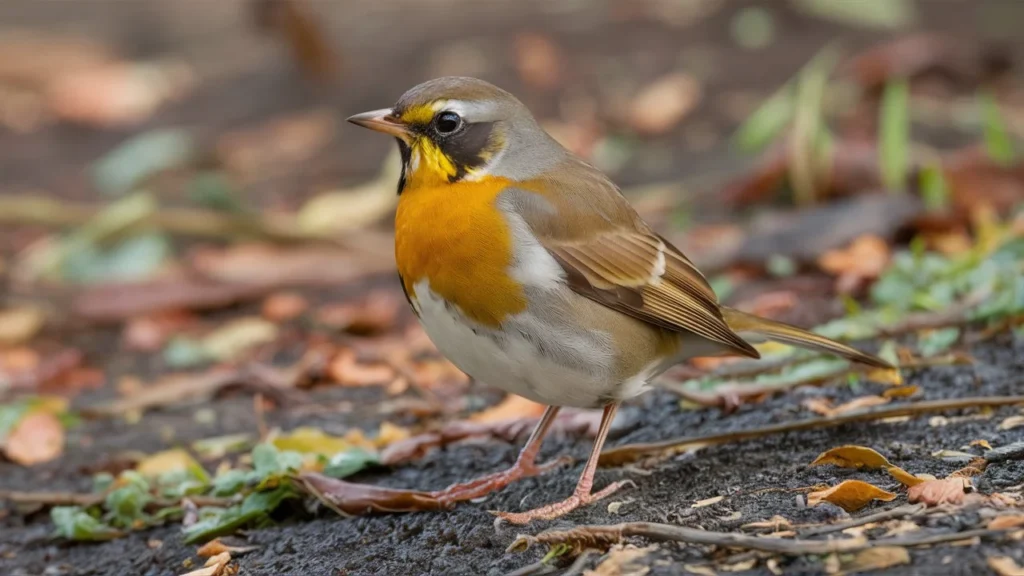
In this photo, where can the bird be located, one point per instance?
(531, 272)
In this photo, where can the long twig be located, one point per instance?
(901, 512)
(603, 536)
(633, 452)
(25, 498)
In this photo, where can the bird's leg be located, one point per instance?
(525, 466)
(583, 494)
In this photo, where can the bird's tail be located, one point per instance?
(748, 325)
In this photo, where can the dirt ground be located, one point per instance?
(759, 479)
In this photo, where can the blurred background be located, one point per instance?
(184, 212)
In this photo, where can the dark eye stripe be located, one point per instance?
(465, 148)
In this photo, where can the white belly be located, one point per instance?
(545, 362)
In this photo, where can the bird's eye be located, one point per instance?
(447, 122)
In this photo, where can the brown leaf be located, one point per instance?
(374, 314)
(864, 259)
(852, 457)
(511, 408)
(215, 566)
(850, 495)
(19, 325)
(904, 477)
(935, 492)
(38, 437)
(663, 104)
(873, 559)
(1011, 423)
(216, 547)
(268, 265)
(349, 498)
(284, 306)
(346, 370)
(859, 404)
(539, 61)
(150, 332)
(900, 391)
(1006, 521)
(1005, 566)
(265, 150)
(621, 560)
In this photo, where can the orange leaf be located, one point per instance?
(850, 495)
(901, 391)
(935, 492)
(889, 376)
(852, 457)
(511, 408)
(37, 438)
(904, 477)
(1006, 522)
(859, 404)
(1005, 566)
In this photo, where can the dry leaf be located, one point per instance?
(872, 559)
(935, 492)
(900, 391)
(38, 437)
(215, 566)
(174, 460)
(664, 103)
(864, 259)
(741, 566)
(859, 404)
(621, 561)
(1005, 522)
(234, 339)
(890, 377)
(19, 325)
(821, 406)
(216, 547)
(346, 370)
(284, 306)
(850, 495)
(513, 407)
(1005, 566)
(1011, 423)
(699, 570)
(904, 477)
(983, 443)
(117, 94)
(707, 502)
(538, 61)
(775, 524)
(852, 457)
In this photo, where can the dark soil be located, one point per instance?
(759, 479)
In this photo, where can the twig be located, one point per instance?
(603, 536)
(882, 516)
(23, 498)
(633, 452)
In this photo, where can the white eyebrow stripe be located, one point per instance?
(471, 111)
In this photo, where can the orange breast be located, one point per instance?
(454, 236)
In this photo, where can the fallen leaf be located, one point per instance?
(821, 406)
(267, 265)
(19, 325)
(864, 259)
(1011, 423)
(284, 141)
(539, 61)
(900, 391)
(664, 103)
(1005, 566)
(511, 408)
(284, 306)
(215, 566)
(374, 314)
(850, 495)
(170, 461)
(953, 455)
(215, 548)
(935, 492)
(349, 209)
(234, 339)
(859, 404)
(1006, 522)
(983, 443)
(309, 440)
(621, 561)
(707, 502)
(346, 370)
(872, 559)
(741, 566)
(37, 437)
(852, 457)
(904, 477)
(699, 570)
(150, 332)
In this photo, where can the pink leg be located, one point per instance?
(524, 467)
(583, 495)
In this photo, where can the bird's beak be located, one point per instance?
(381, 121)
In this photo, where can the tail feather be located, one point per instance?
(748, 324)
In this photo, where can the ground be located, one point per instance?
(759, 479)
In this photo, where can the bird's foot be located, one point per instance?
(484, 485)
(559, 509)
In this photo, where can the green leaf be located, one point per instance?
(126, 505)
(894, 135)
(938, 341)
(349, 462)
(934, 188)
(73, 523)
(767, 122)
(874, 14)
(214, 190)
(998, 142)
(138, 158)
(781, 266)
(230, 482)
(753, 28)
(255, 509)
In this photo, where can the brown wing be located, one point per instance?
(612, 257)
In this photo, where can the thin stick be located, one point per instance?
(23, 498)
(604, 536)
(633, 452)
(882, 516)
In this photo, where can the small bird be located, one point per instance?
(531, 272)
